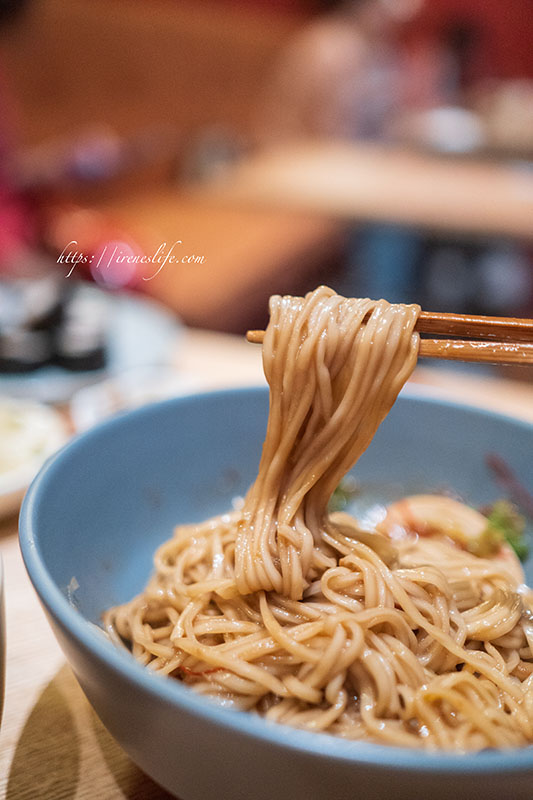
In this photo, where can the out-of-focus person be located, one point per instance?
(343, 76)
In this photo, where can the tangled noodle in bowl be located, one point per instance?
(281, 607)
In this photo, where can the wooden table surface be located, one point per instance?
(52, 746)
(248, 254)
(372, 182)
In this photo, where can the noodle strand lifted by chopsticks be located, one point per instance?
(331, 384)
(297, 614)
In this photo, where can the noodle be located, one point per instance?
(299, 615)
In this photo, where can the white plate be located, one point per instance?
(140, 333)
(41, 431)
(130, 389)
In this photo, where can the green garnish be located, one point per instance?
(505, 521)
(343, 494)
(486, 544)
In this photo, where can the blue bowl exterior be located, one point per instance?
(99, 508)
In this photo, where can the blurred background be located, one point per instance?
(166, 166)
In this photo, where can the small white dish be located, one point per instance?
(29, 433)
(130, 389)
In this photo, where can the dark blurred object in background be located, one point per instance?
(11, 9)
(495, 40)
(46, 321)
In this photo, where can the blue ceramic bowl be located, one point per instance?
(96, 513)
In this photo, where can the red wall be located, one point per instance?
(505, 43)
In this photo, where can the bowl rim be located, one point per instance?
(320, 745)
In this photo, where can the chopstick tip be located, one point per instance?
(255, 337)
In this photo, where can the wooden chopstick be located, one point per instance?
(471, 326)
(465, 350)
(514, 345)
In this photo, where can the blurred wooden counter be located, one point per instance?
(52, 746)
(248, 254)
(276, 221)
(373, 182)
